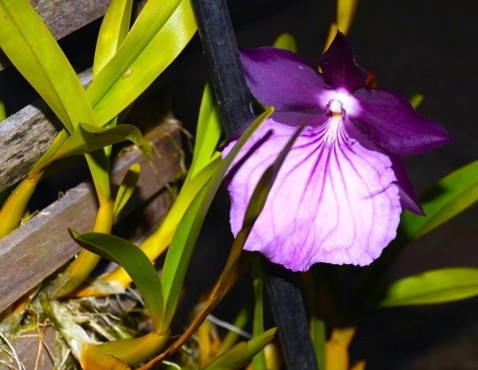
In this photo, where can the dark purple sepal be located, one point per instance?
(339, 67)
(408, 196)
(297, 119)
(391, 122)
(282, 79)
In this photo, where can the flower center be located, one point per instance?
(335, 108)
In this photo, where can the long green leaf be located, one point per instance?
(239, 355)
(182, 245)
(32, 49)
(449, 197)
(259, 359)
(88, 138)
(134, 261)
(160, 33)
(207, 134)
(432, 287)
(113, 31)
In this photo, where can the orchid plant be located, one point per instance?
(316, 180)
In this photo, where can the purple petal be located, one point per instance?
(282, 79)
(333, 202)
(408, 196)
(339, 67)
(295, 119)
(391, 122)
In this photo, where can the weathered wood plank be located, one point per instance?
(41, 246)
(65, 16)
(25, 136)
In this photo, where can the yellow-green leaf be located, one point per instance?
(88, 138)
(239, 355)
(184, 239)
(259, 359)
(114, 28)
(207, 134)
(432, 287)
(160, 33)
(32, 49)
(134, 261)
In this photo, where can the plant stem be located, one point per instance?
(77, 272)
(14, 207)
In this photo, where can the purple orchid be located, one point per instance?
(340, 192)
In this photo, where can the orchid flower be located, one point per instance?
(340, 192)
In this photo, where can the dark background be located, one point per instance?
(413, 46)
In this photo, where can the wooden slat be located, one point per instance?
(65, 16)
(25, 136)
(41, 246)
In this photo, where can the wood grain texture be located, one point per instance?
(63, 17)
(25, 136)
(41, 246)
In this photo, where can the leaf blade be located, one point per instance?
(88, 138)
(242, 352)
(433, 287)
(208, 132)
(113, 31)
(184, 239)
(450, 196)
(134, 261)
(137, 63)
(32, 49)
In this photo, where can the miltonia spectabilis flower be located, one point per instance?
(339, 194)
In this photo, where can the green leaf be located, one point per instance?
(239, 355)
(432, 287)
(449, 197)
(113, 31)
(259, 360)
(182, 245)
(126, 188)
(286, 41)
(207, 134)
(32, 49)
(416, 100)
(160, 33)
(136, 264)
(88, 138)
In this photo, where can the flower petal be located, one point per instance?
(392, 123)
(339, 67)
(408, 196)
(331, 202)
(295, 119)
(282, 79)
